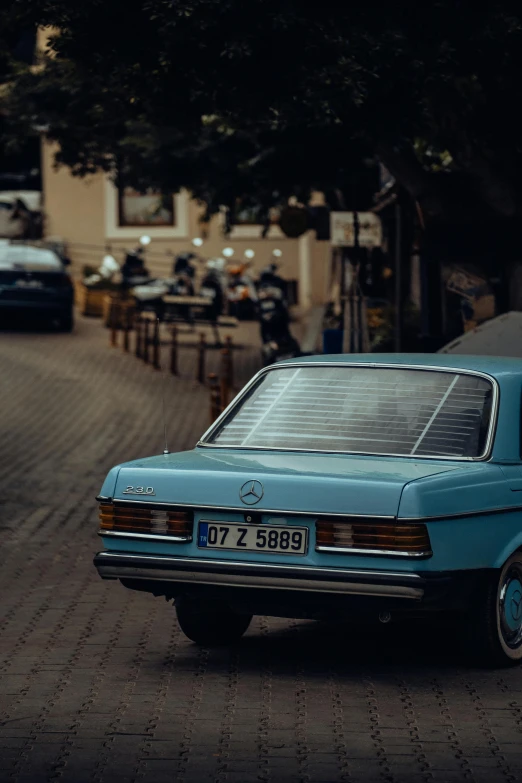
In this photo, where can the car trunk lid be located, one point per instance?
(289, 482)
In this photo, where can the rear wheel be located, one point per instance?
(210, 623)
(495, 623)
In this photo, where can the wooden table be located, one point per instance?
(190, 301)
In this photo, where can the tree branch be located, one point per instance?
(406, 169)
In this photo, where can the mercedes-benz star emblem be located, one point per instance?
(251, 492)
(516, 605)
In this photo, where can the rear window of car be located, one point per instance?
(364, 410)
(30, 258)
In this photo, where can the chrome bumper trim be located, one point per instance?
(346, 550)
(120, 565)
(147, 536)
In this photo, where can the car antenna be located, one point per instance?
(163, 384)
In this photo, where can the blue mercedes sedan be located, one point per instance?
(375, 486)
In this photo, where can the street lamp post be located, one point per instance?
(355, 307)
(349, 294)
(397, 341)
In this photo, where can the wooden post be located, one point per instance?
(200, 371)
(112, 323)
(230, 363)
(364, 326)
(156, 346)
(223, 378)
(174, 351)
(138, 325)
(126, 326)
(146, 341)
(215, 397)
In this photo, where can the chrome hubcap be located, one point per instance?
(510, 607)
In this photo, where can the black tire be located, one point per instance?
(493, 627)
(66, 321)
(210, 624)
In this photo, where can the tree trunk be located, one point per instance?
(431, 336)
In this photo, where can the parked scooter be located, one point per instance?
(184, 272)
(269, 278)
(241, 293)
(147, 291)
(133, 271)
(182, 283)
(277, 341)
(149, 295)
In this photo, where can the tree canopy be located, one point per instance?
(17, 44)
(277, 96)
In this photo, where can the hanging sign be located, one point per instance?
(464, 283)
(342, 229)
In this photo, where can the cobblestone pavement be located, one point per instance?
(98, 684)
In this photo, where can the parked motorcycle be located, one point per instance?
(184, 270)
(212, 288)
(133, 271)
(241, 293)
(149, 295)
(269, 278)
(277, 341)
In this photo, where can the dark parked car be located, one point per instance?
(35, 280)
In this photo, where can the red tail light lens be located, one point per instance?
(168, 523)
(373, 536)
(180, 523)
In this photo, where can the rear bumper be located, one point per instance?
(64, 304)
(230, 574)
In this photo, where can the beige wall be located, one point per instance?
(76, 212)
(321, 270)
(73, 207)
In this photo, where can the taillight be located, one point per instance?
(373, 536)
(128, 519)
(180, 524)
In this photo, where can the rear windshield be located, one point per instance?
(29, 258)
(365, 410)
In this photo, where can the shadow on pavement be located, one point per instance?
(417, 644)
(16, 323)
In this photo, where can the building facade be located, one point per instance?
(92, 218)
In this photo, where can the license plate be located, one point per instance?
(288, 540)
(28, 284)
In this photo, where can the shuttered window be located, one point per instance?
(367, 410)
